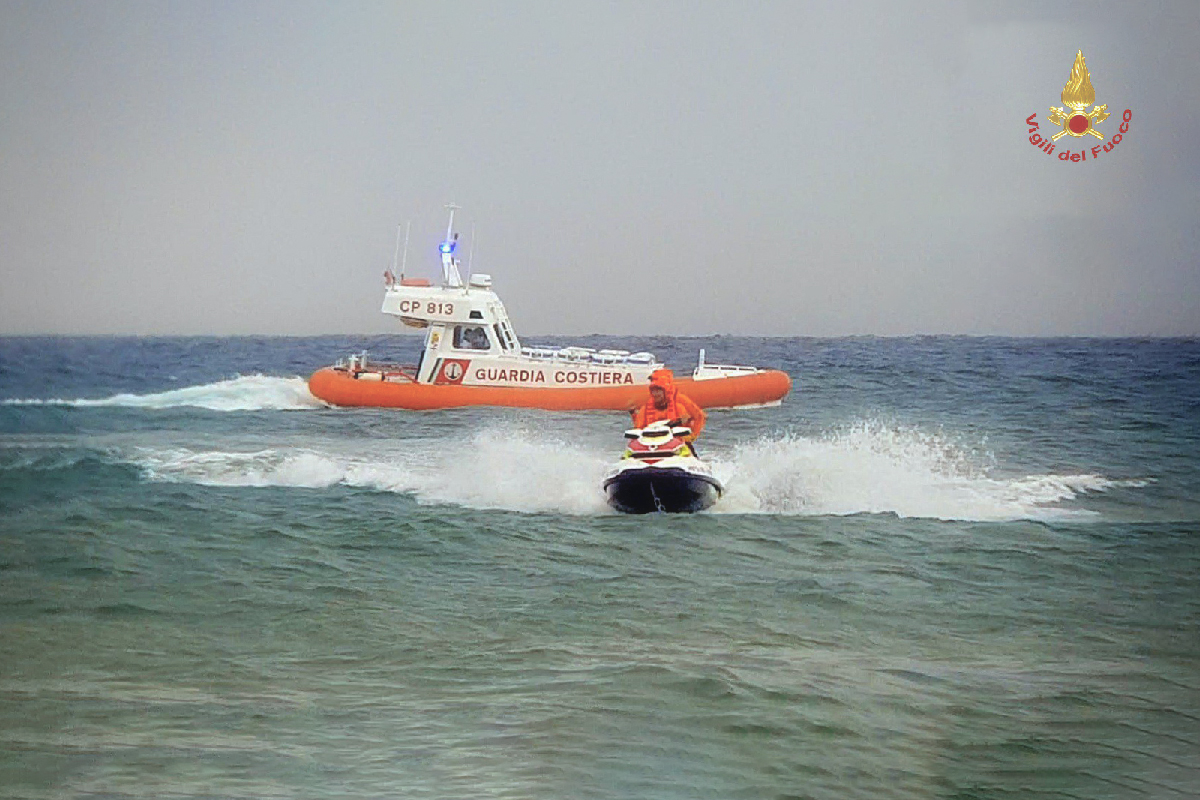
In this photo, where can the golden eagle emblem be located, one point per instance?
(1078, 94)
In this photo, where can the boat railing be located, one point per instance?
(589, 355)
(610, 356)
(576, 353)
(705, 371)
(362, 368)
(710, 371)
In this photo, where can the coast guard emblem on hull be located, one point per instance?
(1077, 95)
(452, 372)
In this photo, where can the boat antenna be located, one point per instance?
(396, 253)
(471, 253)
(449, 266)
(404, 261)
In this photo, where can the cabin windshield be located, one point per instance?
(471, 337)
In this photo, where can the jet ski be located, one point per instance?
(660, 472)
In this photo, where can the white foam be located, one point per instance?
(270, 467)
(875, 468)
(244, 393)
(518, 470)
(866, 468)
(497, 469)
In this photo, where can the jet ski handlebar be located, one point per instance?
(658, 429)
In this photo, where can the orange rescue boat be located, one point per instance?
(394, 386)
(472, 357)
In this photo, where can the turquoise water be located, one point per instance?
(945, 567)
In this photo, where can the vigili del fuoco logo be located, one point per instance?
(1075, 121)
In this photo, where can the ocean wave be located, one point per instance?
(243, 393)
(43, 459)
(869, 468)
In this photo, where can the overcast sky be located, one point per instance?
(780, 168)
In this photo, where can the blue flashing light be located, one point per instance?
(447, 247)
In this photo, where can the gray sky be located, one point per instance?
(776, 168)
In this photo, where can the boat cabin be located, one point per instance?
(464, 321)
(470, 340)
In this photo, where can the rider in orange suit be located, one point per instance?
(666, 403)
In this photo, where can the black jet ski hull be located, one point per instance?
(670, 489)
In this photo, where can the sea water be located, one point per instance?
(944, 567)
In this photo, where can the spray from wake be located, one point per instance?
(494, 469)
(872, 468)
(244, 393)
(869, 468)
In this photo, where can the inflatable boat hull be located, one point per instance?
(340, 387)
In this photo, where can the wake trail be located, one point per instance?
(873, 468)
(243, 393)
(868, 468)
